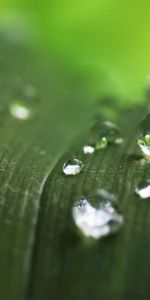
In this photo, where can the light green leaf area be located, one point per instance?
(106, 41)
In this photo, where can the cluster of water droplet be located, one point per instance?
(102, 134)
(98, 215)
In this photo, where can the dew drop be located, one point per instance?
(98, 216)
(101, 143)
(143, 190)
(104, 133)
(88, 149)
(119, 140)
(143, 138)
(72, 167)
(19, 110)
(144, 144)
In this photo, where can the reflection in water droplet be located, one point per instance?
(101, 143)
(88, 149)
(72, 167)
(20, 111)
(99, 216)
(143, 138)
(143, 190)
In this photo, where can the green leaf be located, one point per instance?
(67, 266)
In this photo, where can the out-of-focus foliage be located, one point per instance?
(107, 41)
(68, 53)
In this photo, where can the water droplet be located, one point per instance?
(144, 145)
(119, 140)
(143, 190)
(101, 143)
(103, 133)
(143, 138)
(19, 110)
(99, 216)
(72, 167)
(88, 149)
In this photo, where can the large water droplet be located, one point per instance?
(143, 190)
(99, 216)
(143, 138)
(20, 110)
(72, 167)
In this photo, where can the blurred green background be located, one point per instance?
(72, 54)
(107, 42)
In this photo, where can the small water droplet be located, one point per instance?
(88, 149)
(143, 138)
(72, 167)
(101, 143)
(19, 110)
(99, 216)
(143, 190)
(144, 145)
(119, 140)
